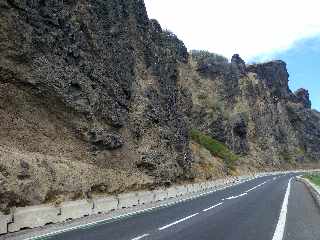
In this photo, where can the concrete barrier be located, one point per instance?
(212, 185)
(219, 183)
(181, 190)
(75, 209)
(228, 181)
(204, 186)
(191, 188)
(4, 220)
(160, 195)
(30, 217)
(127, 200)
(171, 192)
(35, 216)
(146, 197)
(176, 191)
(197, 187)
(104, 204)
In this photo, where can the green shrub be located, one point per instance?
(287, 156)
(215, 147)
(205, 57)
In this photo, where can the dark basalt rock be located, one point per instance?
(103, 139)
(303, 97)
(238, 61)
(217, 129)
(274, 75)
(24, 173)
(92, 57)
(258, 110)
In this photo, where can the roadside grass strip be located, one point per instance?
(315, 178)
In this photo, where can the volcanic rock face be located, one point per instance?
(303, 97)
(97, 98)
(253, 111)
(89, 89)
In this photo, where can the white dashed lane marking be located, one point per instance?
(251, 189)
(234, 197)
(140, 237)
(178, 221)
(214, 206)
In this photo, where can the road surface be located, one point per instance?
(267, 208)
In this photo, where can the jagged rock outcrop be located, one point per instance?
(91, 100)
(303, 97)
(253, 111)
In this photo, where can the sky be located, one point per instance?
(303, 63)
(258, 30)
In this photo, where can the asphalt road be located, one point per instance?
(255, 210)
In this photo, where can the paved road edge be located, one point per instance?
(38, 216)
(314, 189)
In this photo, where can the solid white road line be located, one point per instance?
(140, 237)
(279, 232)
(178, 221)
(234, 197)
(207, 209)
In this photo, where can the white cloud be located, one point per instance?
(247, 27)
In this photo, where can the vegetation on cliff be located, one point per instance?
(215, 147)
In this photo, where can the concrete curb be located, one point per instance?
(105, 204)
(34, 216)
(314, 189)
(41, 215)
(4, 222)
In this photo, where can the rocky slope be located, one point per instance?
(251, 109)
(91, 100)
(96, 98)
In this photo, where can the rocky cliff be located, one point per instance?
(91, 100)
(251, 109)
(96, 98)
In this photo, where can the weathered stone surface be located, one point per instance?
(102, 139)
(95, 84)
(238, 61)
(303, 97)
(274, 76)
(253, 111)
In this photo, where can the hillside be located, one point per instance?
(251, 109)
(96, 98)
